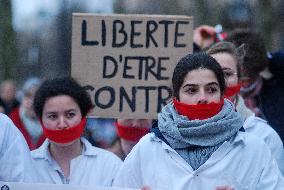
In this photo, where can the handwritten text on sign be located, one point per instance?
(126, 61)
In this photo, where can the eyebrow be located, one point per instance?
(212, 83)
(48, 113)
(194, 85)
(54, 112)
(189, 85)
(226, 68)
(70, 110)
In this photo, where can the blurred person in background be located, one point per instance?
(262, 73)
(24, 117)
(100, 132)
(262, 80)
(230, 58)
(130, 131)
(8, 95)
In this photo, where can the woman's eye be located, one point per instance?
(227, 74)
(212, 90)
(52, 117)
(70, 114)
(191, 90)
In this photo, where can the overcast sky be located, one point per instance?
(27, 10)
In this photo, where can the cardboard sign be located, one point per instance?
(45, 186)
(126, 61)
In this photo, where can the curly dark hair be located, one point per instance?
(62, 86)
(255, 59)
(193, 62)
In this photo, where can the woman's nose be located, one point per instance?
(62, 123)
(202, 101)
(202, 98)
(135, 123)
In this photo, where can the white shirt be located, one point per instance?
(15, 158)
(95, 166)
(262, 130)
(244, 162)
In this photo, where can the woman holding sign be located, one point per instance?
(65, 158)
(199, 141)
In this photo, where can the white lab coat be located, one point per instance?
(94, 167)
(244, 162)
(262, 130)
(15, 158)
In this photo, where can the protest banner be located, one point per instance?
(126, 61)
(45, 186)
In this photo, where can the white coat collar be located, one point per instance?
(43, 151)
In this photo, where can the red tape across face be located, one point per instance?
(65, 135)
(232, 90)
(198, 111)
(131, 133)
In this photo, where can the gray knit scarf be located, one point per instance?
(196, 140)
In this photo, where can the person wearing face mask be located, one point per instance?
(65, 158)
(262, 80)
(130, 131)
(230, 59)
(199, 141)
